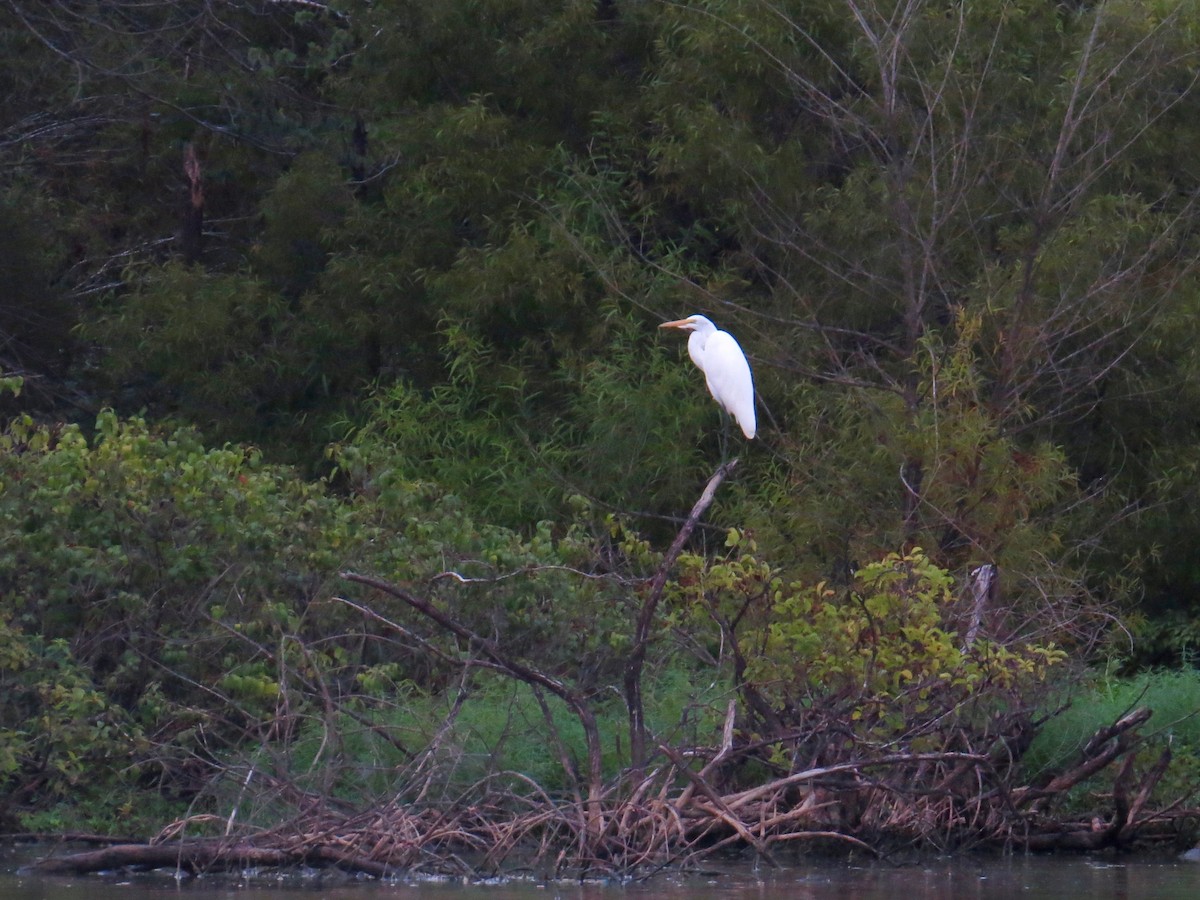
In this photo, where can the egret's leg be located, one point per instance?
(724, 436)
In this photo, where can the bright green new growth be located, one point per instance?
(889, 642)
(887, 649)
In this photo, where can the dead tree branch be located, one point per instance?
(641, 640)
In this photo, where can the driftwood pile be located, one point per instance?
(675, 816)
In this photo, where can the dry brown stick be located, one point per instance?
(721, 810)
(701, 850)
(726, 749)
(803, 811)
(507, 835)
(669, 824)
(1132, 720)
(1169, 816)
(1148, 784)
(633, 804)
(979, 811)
(646, 850)
(833, 835)
(172, 830)
(570, 774)
(434, 745)
(676, 819)
(1120, 799)
(755, 793)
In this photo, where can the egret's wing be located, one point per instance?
(729, 379)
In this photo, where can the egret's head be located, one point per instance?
(691, 323)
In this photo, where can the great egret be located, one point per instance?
(717, 354)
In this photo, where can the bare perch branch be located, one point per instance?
(641, 640)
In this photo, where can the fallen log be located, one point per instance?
(66, 837)
(201, 855)
(190, 856)
(1081, 838)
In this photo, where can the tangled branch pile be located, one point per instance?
(677, 815)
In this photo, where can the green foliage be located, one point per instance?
(121, 555)
(886, 639)
(201, 338)
(11, 384)
(874, 472)
(163, 602)
(884, 652)
(59, 735)
(985, 493)
(625, 421)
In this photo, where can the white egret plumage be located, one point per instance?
(718, 355)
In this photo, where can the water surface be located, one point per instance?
(1037, 878)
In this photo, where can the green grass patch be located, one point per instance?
(1174, 697)
(500, 731)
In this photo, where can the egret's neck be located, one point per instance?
(696, 342)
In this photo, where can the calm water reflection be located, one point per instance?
(1043, 878)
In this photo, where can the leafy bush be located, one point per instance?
(880, 662)
(136, 568)
(161, 602)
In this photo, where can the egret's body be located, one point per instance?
(717, 354)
